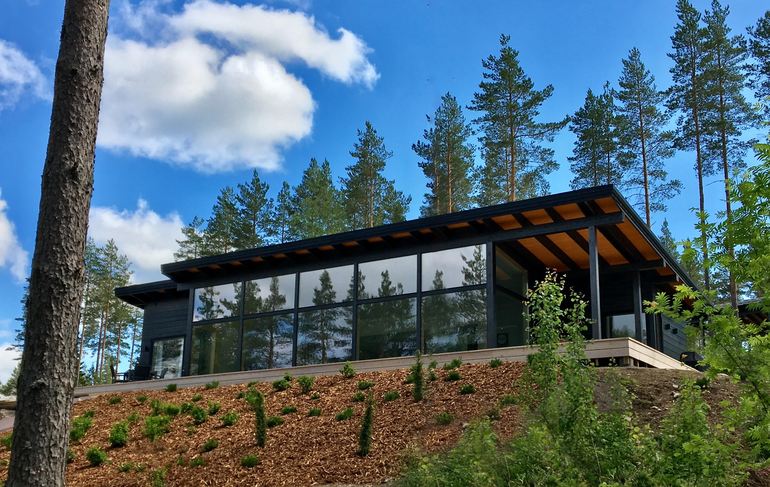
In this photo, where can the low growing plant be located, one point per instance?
(281, 385)
(467, 389)
(125, 467)
(133, 417)
(495, 362)
(119, 434)
(71, 457)
(314, 412)
(199, 415)
(197, 398)
(240, 395)
(305, 383)
(315, 396)
(273, 421)
(252, 384)
(257, 402)
(453, 375)
(214, 407)
(344, 415)
(156, 426)
(211, 385)
(88, 414)
(358, 397)
(391, 396)
(114, 399)
(181, 461)
(250, 461)
(95, 456)
(186, 407)
(287, 376)
(7, 441)
(158, 477)
(79, 427)
(229, 419)
(365, 435)
(455, 363)
(288, 410)
(445, 418)
(348, 371)
(171, 388)
(364, 385)
(141, 398)
(197, 462)
(209, 445)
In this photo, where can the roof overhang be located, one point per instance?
(141, 294)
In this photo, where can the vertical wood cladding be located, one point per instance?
(163, 319)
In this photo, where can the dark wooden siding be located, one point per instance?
(674, 339)
(163, 319)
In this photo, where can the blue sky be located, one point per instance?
(197, 93)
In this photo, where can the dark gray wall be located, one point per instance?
(674, 339)
(163, 319)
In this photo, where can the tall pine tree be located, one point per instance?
(281, 230)
(759, 46)
(254, 214)
(316, 203)
(219, 236)
(516, 162)
(192, 244)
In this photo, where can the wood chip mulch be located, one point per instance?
(304, 450)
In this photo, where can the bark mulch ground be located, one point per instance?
(302, 451)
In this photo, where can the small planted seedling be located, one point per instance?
(96, 456)
(171, 388)
(453, 364)
(250, 461)
(126, 467)
(274, 421)
(79, 428)
(114, 399)
(229, 419)
(444, 418)
(305, 383)
(181, 461)
(346, 414)
(391, 396)
(214, 408)
(281, 385)
(186, 407)
(88, 414)
(364, 385)
(314, 412)
(467, 389)
(212, 385)
(252, 384)
(453, 375)
(287, 377)
(288, 410)
(119, 434)
(158, 477)
(199, 415)
(133, 417)
(348, 371)
(358, 397)
(210, 445)
(315, 396)
(495, 362)
(197, 398)
(241, 395)
(156, 426)
(70, 455)
(197, 462)
(141, 399)
(7, 441)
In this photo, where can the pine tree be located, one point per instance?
(759, 46)
(515, 161)
(219, 236)
(595, 155)
(321, 328)
(646, 143)
(369, 198)
(281, 230)
(191, 246)
(317, 209)
(254, 214)
(447, 160)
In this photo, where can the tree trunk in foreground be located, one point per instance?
(49, 365)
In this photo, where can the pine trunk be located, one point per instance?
(699, 164)
(117, 353)
(133, 344)
(49, 366)
(644, 166)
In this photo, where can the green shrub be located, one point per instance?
(210, 445)
(287, 377)
(365, 435)
(495, 362)
(197, 398)
(314, 412)
(119, 434)
(133, 417)
(114, 399)
(171, 388)
(229, 419)
(197, 462)
(507, 400)
(348, 371)
(453, 375)
(432, 365)
(288, 410)
(95, 456)
(158, 477)
(171, 409)
(156, 426)
(7, 441)
(141, 398)
(88, 414)
(199, 415)
(214, 408)
(358, 397)
(418, 378)
(241, 395)
(140, 467)
(444, 418)
(281, 385)
(391, 396)
(257, 402)
(79, 428)
(212, 385)
(157, 407)
(432, 376)
(315, 396)
(365, 384)
(344, 415)
(70, 455)
(409, 379)
(181, 461)
(702, 382)
(273, 421)
(252, 384)
(125, 467)
(305, 383)
(467, 389)
(453, 364)
(186, 407)
(250, 461)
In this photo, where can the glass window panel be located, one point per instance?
(268, 342)
(325, 336)
(269, 294)
(215, 348)
(622, 326)
(455, 322)
(167, 358)
(466, 266)
(216, 302)
(387, 277)
(510, 292)
(326, 286)
(387, 329)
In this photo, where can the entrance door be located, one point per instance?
(167, 357)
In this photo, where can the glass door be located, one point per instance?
(167, 358)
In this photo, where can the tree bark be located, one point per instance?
(49, 365)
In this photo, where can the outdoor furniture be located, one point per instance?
(141, 372)
(118, 377)
(155, 375)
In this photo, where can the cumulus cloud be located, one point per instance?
(208, 87)
(19, 75)
(145, 237)
(12, 255)
(9, 359)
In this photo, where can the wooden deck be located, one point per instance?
(626, 351)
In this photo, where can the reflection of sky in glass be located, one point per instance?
(451, 263)
(340, 281)
(217, 302)
(401, 270)
(259, 293)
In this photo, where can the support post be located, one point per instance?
(491, 318)
(639, 320)
(596, 307)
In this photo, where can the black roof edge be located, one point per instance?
(549, 201)
(149, 287)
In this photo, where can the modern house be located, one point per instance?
(449, 283)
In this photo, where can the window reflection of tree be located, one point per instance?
(387, 329)
(267, 341)
(323, 331)
(215, 348)
(208, 304)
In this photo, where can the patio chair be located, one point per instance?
(141, 372)
(118, 377)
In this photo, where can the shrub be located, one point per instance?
(125, 467)
(702, 382)
(444, 418)
(96, 456)
(156, 426)
(257, 402)
(250, 461)
(314, 412)
(229, 419)
(432, 376)
(199, 415)
(141, 398)
(171, 388)
(364, 385)
(114, 399)
(289, 409)
(7, 441)
(197, 398)
(273, 421)
(70, 455)
(133, 417)
(180, 460)
(453, 375)
(119, 434)
(186, 407)
(365, 435)
(79, 428)
(391, 396)
(453, 364)
(88, 414)
(315, 396)
(197, 462)
(170, 409)
(281, 385)
(252, 384)
(358, 397)
(214, 408)
(209, 445)
(409, 379)
(241, 395)
(495, 362)
(305, 383)
(158, 477)
(348, 371)
(418, 376)
(287, 376)
(346, 414)
(140, 468)
(432, 365)
(212, 385)
(467, 389)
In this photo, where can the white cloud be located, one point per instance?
(19, 75)
(9, 359)
(12, 256)
(146, 238)
(222, 103)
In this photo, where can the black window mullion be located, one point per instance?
(296, 321)
(420, 345)
(354, 344)
(240, 326)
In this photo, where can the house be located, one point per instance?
(449, 283)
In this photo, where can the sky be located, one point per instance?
(197, 94)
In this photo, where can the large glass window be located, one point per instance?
(466, 266)
(387, 277)
(268, 342)
(167, 358)
(326, 286)
(620, 326)
(454, 322)
(325, 336)
(216, 302)
(215, 348)
(510, 294)
(269, 294)
(387, 329)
